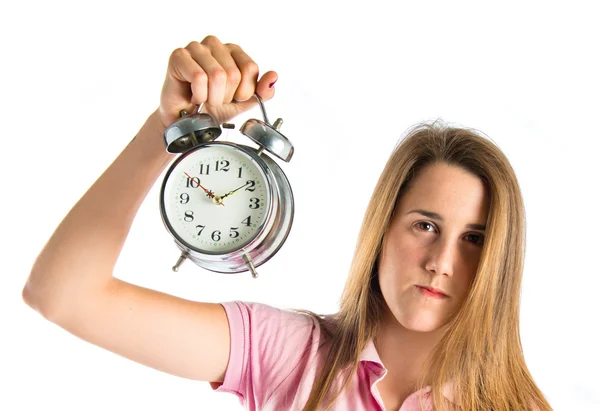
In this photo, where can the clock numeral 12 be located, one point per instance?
(223, 168)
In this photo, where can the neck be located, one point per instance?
(403, 351)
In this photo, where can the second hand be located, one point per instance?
(196, 179)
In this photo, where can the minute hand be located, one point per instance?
(237, 189)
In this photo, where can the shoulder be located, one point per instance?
(269, 336)
(266, 318)
(270, 349)
(260, 328)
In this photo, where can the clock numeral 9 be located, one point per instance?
(185, 197)
(254, 202)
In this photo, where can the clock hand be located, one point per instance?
(237, 189)
(208, 192)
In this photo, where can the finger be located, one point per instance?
(217, 77)
(249, 73)
(222, 54)
(186, 77)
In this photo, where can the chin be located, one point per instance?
(422, 322)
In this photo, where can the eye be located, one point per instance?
(478, 239)
(422, 225)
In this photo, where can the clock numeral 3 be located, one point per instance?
(254, 202)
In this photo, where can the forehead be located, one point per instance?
(449, 191)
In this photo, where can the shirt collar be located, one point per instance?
(370, 355)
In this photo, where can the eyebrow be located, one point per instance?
(436, 216)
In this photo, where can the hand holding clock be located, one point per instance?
(222, 76)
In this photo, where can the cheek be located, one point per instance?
(464, 278)
(400, 256)
(471, 264)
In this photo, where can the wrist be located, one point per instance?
(150, 139)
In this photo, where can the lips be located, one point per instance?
(433, 291)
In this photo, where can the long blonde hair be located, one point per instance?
(481, 353)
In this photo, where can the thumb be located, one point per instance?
(266, 85)
(264, 88)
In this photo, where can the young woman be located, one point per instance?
(429, 318)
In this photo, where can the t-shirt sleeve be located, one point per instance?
(267, 345)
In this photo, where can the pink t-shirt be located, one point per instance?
(273, 363)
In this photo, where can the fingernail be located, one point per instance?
(273, 83)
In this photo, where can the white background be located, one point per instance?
(79, 79)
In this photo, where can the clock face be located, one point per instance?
(216, 199)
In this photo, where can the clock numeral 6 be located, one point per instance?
(216, 235)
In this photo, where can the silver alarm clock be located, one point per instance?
(228, 206)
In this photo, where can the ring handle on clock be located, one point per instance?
(268, 136)
(260, 102)
(200, 128)
(191, 130)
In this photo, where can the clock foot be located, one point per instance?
(250, 265)
(180, 261)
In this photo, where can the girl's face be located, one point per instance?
(434, 240)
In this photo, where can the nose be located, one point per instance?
(441, 260)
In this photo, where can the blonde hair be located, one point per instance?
(481, 352)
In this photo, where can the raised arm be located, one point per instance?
(71, 282)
